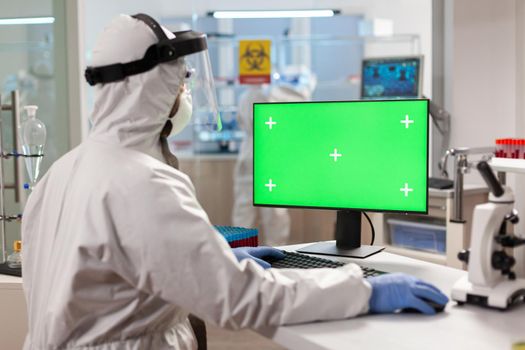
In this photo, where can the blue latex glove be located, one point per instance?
(256, 253)
(397, 291)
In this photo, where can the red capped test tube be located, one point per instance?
(498, 148)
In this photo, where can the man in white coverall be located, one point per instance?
(117, 250)
(296, 83)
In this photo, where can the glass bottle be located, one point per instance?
(14, 260)
(33, 135)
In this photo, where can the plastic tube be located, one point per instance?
(499, 150)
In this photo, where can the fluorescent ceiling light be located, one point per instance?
(274, 14)
(26, 20)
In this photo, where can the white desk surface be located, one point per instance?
(10, 282)
(458, 327)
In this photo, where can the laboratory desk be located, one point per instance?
(13, 319)
(458, 327)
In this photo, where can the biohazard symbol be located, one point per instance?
(255, 57)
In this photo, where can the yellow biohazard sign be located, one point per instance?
(254, 61)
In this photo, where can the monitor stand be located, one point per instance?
(348, 239)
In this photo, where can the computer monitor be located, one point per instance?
(349, 156)
(392, 77)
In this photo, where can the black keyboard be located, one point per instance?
(294, 260)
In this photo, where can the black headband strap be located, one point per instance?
(154, 25)
(184, 43)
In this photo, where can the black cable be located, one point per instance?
(371, 227)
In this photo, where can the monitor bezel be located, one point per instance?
(394, 58)
(341, 208)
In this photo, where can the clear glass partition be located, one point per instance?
(332, 51)
(27, 55)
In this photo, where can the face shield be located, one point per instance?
(193, 49)
(199, 81)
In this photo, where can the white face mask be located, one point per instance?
(183, 115)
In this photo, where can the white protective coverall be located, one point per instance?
(274, 222)
(117, 249)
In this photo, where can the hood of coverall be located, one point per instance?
(132, 112)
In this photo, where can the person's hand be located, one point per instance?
(392, 292)
(256, 253)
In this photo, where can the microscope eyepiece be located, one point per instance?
(490, 179)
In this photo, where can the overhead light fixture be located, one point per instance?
(26, 20)
(274, 14)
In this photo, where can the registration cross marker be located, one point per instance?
(407, 121)
(335, 155)
(270, 185)
(270, 123)
(406, 189)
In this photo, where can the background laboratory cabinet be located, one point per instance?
(433, 237)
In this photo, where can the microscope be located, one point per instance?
(490, 281)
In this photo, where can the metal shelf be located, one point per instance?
(508, 165)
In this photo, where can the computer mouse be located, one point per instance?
(436, 306)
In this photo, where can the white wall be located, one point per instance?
(520, 121)
(481, 73)
(520, 68)
(484, 72)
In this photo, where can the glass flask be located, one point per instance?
(33, 136)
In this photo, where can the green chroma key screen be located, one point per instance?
(369, 155)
